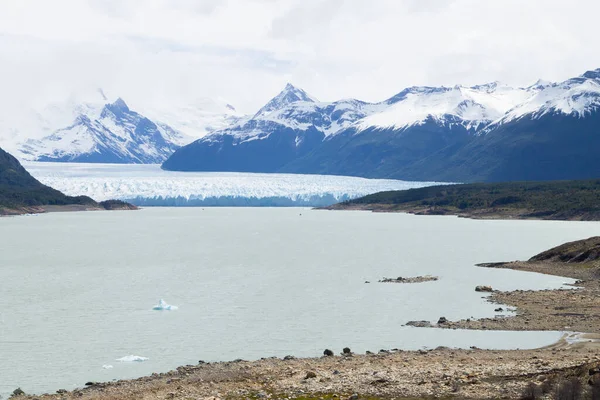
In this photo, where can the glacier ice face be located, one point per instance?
(148, 185)
(162, 306)
(132, 358)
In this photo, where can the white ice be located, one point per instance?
(162, 305)
(132, 358)
(148, 185)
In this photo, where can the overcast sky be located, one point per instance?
(245, 51)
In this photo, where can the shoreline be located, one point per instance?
(481, 214)
(442, 372)
(423, 374)
(35, 210)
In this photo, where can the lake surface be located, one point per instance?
(77, 289)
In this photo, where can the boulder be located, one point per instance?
(310, 374)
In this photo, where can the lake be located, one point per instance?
(77, 289)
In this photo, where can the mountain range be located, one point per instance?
(489, 132)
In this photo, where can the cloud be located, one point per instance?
(246, 50)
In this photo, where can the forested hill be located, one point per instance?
(562, 200)
(21, 193)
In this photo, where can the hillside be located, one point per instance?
(560, 200)
(21, 193)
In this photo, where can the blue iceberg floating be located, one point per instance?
(162, 305)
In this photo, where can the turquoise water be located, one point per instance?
(77, 289)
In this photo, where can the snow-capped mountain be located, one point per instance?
(288, 126)
(289, 95)
(294, 124)
(112, 133)
(473, 107)
(579, 96)
(87, 126)
(483, 132)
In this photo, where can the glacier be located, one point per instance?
(149, 185)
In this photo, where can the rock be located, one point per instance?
(18, 392)
(346, 351)
(414, 279)
(310, 374)
(328, 353)
(419, 324)
(442, 320)
(483, 288)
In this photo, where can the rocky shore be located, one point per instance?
(111, 205)
(571, 366)
(443, 372)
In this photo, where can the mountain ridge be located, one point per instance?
(488, 132)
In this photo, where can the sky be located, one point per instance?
(245, 51)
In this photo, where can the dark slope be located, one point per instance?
(226, 153)
(552, 147)
(22, 193)
(378, 153)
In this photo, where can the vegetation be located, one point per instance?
(543, 200)
(20, 192)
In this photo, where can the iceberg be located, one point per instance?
(148, 185)
(162, 305)
(132, 358)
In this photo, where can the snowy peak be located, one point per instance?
(289, 95)
(471, 107)
(119, 108)
(577, 96)
(117, 135)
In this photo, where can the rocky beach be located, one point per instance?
(572, 364)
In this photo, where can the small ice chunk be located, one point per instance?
(132, 358)
(107, 366)
(162, 305)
